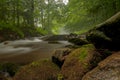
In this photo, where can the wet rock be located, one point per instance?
(108, 69)
(106, 34)
(4, 75)
(8, 69)
(6, 42)
(53, 42)
(39, 70)
(55, 38)
(72, 46)
(99, 39)
(72, 35)
(60, 55)
(78, 41)
(79, 62)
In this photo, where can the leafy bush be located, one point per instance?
(7, 28)
(41, 31)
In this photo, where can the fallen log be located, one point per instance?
(106, 34)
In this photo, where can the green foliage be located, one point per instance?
(85, 14)
(56, 27)
(25, 16)
(8, 29)
(41, 31)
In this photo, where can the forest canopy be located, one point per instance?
(37, 17)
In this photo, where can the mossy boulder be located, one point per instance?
(106, 34)
(39, 70)
(108, 69)
(79, 62)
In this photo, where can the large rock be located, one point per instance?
(108, 69)
(55, 38)
(2, 76)
(60, 55)
(78, 41)
(8, 69)
(106, 34)
(79, 62)
(5, 76)
(40, 70)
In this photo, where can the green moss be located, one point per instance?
(43, 63)
(90, 46)
(78, 62)
(83, 54)
(84, 50)
(86, 65)
(42, 69)
(60, 77)
(34, 64)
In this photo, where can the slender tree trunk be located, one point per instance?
(42, 18)
(14, 13)
(32, 12)
(48, 18)
(17, 14)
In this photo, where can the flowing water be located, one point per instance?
(25, 51)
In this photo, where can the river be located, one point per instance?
(26, 51)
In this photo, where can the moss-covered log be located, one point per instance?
(108, 33)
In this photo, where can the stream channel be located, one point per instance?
(26, 51)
